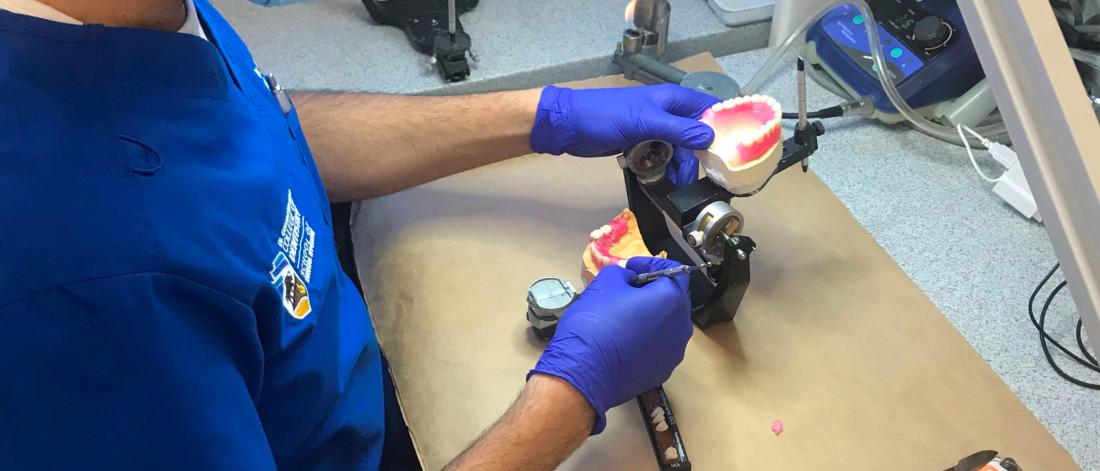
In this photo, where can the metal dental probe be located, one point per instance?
(802, 123)
(801, 94)
(452, 18)
(644, 278)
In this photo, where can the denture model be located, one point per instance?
(614, 243)
(747, 144)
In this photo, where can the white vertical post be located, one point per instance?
(1053, 129)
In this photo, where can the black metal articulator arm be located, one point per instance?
(696, 223)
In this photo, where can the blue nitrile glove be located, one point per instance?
(606, 121)
(617, 340)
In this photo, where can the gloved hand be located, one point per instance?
(617, 341)
(606, 121)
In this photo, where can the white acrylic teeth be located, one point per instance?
(602, 231)
(747, 142)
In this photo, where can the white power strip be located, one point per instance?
(740, 12)
(1011, 186)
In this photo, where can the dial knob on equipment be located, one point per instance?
(931, 32)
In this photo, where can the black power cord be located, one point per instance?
(830, 112)
(1073, 25)
(861, 107)
(1040, 325)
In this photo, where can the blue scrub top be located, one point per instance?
(170, 295)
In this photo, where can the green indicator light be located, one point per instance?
(858, 19)
(895, 52)
(874, 67)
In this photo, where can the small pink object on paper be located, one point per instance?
(777, 427)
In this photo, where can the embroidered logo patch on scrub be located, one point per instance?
(293, 264)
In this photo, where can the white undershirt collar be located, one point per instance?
(40, 10)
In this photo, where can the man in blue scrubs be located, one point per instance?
(169, 288)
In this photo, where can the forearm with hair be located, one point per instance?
(368, 145)
(548, 421)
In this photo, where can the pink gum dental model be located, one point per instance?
(747, 143)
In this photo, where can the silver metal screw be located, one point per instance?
(694, 238)
(452, 17)
(741, 255)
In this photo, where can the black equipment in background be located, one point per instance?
(432, 29)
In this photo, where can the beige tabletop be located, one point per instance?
(832, 337)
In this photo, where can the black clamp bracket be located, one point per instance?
(427, 25)
(798, 149)
(716, 292)
(659, 206)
